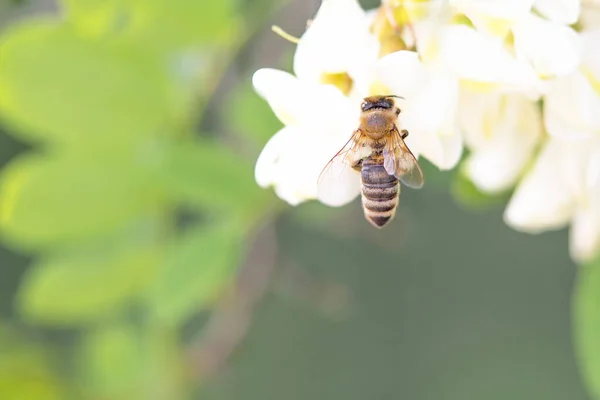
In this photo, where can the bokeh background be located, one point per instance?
(139, 259)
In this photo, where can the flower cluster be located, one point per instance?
(516, 82)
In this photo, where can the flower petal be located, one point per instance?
(293, 160)
(503, 131)
(572, 108)
(338, 185)
(551, 48)
(590, 64)
(400, 73)
(544, 199)
(585, 229)
(493, 17)
(302, 103)
(443, 151)
(474, 57)
(590, 15)
(560, 11)
(338, 40)
(266, 172)
(585, 232)
(430, 117)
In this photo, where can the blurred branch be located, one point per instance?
(333, 300)
(231, 318)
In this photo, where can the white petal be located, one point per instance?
(585, 232)
(300, 103)
(551, 48)
(494, 17)
(561, 11)
(443, 151)
(591, 57)
(572, 108)
(266, 170)
(293, 159)
(503, 132)
(400, 73)
(430, 118)
(337, 41)
(474, 57)
(590, 15)
(338, 185)
(543, 200)
(585, 229)
(434, 107)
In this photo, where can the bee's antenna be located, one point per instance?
(398, 97)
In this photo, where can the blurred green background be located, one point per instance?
(141, 261)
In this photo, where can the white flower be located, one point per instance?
(494, 17)
(502, 132)
(560, 11)
(563, 187)
(550, 48)
(317, 118)
(497, 17)
(428, 112)
(572, 104)
(590, 14)
(547, 46)
(483, 62)
(338, 41)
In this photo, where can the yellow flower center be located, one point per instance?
(340, 80)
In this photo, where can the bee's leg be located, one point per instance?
(403, 133)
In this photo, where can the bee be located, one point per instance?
(377, 151)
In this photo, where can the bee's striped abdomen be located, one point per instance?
(379, 191)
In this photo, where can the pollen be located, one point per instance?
(341, 80)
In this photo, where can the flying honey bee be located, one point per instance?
(377, 151)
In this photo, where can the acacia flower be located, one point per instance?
(502, 131)
(564, 185)
(340, 51)
(472, 73)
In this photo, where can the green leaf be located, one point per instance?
(208, 175)
(93, 17)
(81, 286)
(58, 87)
(470, 197)
(171, 25)
(586, 324)
(48, 201)
(196, 270)
(112, 362)
(26, 371)
(123, 361)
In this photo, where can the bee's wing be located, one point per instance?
(338, 182)
(399, 161)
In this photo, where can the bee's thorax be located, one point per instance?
(378, 123)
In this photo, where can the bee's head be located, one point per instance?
(380, 103)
